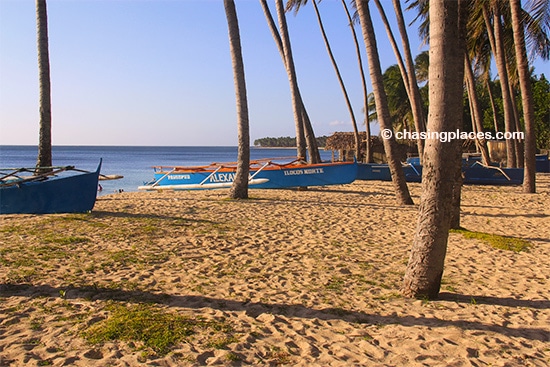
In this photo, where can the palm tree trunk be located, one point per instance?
(495, 36)
(297, 104)
(340, 81)
(476, 110)
(526, 98)
(382, 109)
(493, 104)
(368, 145)
(45, 106)
(404, 74)
(518, 143)
(416, 99)
(441, 160)
(239, 189)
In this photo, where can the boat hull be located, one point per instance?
(269, 177)
(474, 173)
(72, 194)
(381, 172)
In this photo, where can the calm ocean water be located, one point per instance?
(134, 163)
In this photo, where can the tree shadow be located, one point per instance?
(254, 309)
(495, 301)
(101, 214)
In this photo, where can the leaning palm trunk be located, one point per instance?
(305, 137)
(526, 98)
(416, 100)
(494, 32)
(441, 159)
(493, 104)
(368, 145)
(45, 134)
(296, 100)
(341, 81)
(297, 105)
(475, 110)
(239, 189)
(382, 109)
(407, 71)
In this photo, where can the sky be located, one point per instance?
(137, 72)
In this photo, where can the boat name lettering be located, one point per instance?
(222, 177)
(308, 171)
(179, 177)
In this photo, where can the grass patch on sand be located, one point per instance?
(155, 328)
(497, 241)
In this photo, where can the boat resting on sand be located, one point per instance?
(264, 174)
(57, 191)
(381, 172)
(473, 171)
(476, 173)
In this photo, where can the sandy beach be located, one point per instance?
(298, 278)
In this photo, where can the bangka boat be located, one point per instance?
(60, 190)
(542, 163)
(264, 174)
(381, 172)
(476, 173)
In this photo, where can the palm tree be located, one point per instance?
(239, 189)
(382, 110)
(368, 145)
(341, 81)
(296, 4)
(527, 97)
(305, 137)
(416, 100)
(45, 105)
(496, 38)
(477, 119)
(407, 71)
(441, 160)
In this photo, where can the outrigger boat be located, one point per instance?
(381, 172)
(264, 174)
(474, 172)
(22, 191)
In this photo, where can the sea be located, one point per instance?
(134, 163)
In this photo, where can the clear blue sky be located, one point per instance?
(159, 72)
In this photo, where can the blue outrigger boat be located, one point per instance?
(57, 191)
(474, 172)
(264, 174)
(381, 172)
(542, 163)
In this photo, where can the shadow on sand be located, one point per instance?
(254, 309)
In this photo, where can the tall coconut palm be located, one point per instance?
(239, 189)
(45, 105)
(305, 137)
(477, 118)
(296, 4)
(527, 97)
(416, 100)
(407, 71)
(382, 110)
(368, 145)
(496, 37)
(441, 160)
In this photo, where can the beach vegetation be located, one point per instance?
(233, 357)
(497, 241)
(155, 328)
(336, 284)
